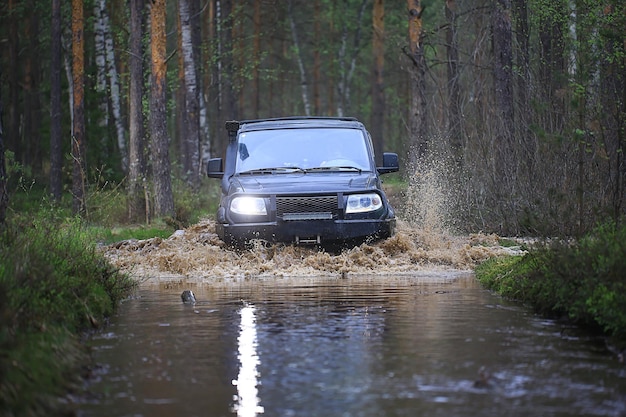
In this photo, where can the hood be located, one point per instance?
(304, 183)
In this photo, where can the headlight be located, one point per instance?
(248, 205)
(360, 203)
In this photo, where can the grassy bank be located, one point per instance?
(584, 280)
(54, 285)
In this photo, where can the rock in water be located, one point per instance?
(188, 297)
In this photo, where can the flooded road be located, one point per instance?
(421, 344)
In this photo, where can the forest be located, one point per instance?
(514, 109)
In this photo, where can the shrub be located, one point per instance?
(53, 285)
(583, 280)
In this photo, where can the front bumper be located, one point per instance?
(307, 231)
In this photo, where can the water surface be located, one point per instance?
(361, 346)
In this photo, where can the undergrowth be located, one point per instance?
(54, 284)
(584, 280)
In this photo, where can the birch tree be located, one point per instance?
(114, 85)
(160, 157)
(101, 85)
(191, 117)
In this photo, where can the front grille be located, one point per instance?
(291, 207)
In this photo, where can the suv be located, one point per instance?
(303, 180)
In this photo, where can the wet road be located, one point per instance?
(361, 346)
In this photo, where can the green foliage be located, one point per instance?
(53, 284)
(583, 280)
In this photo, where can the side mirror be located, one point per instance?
(390, 163)
(215, 168)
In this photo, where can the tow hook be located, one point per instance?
(308, 241)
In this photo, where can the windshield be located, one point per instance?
(307, 149)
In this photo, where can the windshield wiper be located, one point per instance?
(336, 168)
(276, 170)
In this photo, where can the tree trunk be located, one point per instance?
(257, 60)
(136, 166)
(4, 196)
(211, 82)
(523, 132)
(418, 143)
(347, 66)
(78, 81)
(504, 152)
(114, 85)
(613, 114)
(101, 75)
(229, 107)
(13, 130)
(56, 153)
(378, 86)
(191, 117)
(31, 146)
(552, 69)
(300, 62)
(160, 158)
(317, 77)
(454, 95)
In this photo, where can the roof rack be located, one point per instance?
(232, 126)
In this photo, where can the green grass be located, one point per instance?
(54, 284)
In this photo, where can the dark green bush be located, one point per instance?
(585, 280)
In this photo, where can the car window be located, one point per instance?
(303, 148)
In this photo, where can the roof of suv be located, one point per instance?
(294, 122)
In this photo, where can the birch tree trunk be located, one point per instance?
(136, 166)
(78, 82)
(114, 85)
(191, 118)
(101, 73)
(56, 153)
(160, 157)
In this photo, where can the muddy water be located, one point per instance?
(407, 345)
(392, 328)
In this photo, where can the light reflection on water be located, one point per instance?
(247, 400)
(367, 346)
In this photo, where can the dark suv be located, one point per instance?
(307, 180)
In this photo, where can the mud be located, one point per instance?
(196, 255)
